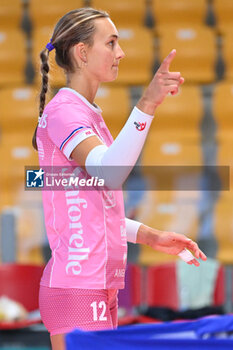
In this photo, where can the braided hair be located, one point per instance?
(74, 27)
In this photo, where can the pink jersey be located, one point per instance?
(86, 229)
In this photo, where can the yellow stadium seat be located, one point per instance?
(227, 52)
(223, 109)
(224, 152)
(19, 108)
(47, 13)
(224, 228)
(115, 103)
(19, 152)
(172, 211)
(12, 57)
(196, 51)
(29, 223)
(171, 149)
(172, 167)
(175, 115)
(150, 257)
(224, 161)
(11, 13)
(8, 197)
(4, 196)
(123, 12)
(40, 38)
(11, 196)
(181, 113)
(136, 67)
(30, 230)
(169, 12)
(223, 10)
(16, 153)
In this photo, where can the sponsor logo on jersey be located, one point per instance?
(140, 126)
(119, 273)
(77, 252)
(109, 199)
(42, 122)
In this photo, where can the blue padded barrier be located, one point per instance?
(209, 333)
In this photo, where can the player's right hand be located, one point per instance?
(163, 83)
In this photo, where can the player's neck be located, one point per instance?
(86, 87)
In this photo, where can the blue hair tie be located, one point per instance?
(50, 46)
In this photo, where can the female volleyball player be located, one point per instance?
(87, 230)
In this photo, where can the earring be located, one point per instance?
(85, 61)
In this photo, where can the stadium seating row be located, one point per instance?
(180, 211)
(162, 12)
(197, 61)
(181, 113)
(197, 55)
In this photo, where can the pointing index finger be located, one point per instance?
(165, 65)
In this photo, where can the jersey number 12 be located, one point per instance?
(101, 305)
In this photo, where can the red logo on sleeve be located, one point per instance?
(140, 126)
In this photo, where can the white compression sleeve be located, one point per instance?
(123, 152)
(132, 227)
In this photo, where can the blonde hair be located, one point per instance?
(74, 27)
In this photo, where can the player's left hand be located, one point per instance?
(175, 243)
(171, 243)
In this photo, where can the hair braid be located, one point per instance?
(75, 26)
(44, 56)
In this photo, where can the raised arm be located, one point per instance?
(99, 160)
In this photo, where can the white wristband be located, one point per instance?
(132, 228)
(186, 255)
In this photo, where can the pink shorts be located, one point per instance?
(64, 309)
